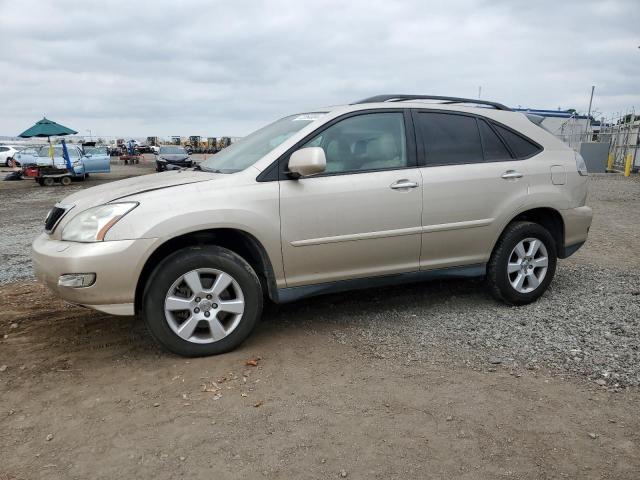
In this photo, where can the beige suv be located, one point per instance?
(391, 189)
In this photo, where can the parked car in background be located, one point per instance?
(7, 154)
(386, 190)
(26, 156)
(172, 156)
(82, 163)
(143, 149)
(114, 150)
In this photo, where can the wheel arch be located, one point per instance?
(547, 217)
(236, 240)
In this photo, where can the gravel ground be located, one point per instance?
(587, 324)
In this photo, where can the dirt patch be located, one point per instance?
(90, 396)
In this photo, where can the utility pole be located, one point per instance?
(479, 92)
(593, 87)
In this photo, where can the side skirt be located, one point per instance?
(291, 294)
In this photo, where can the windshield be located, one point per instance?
(248, 150)
(95, 150)
(57, 151)
(172, 151)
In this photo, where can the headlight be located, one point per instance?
(93, 224)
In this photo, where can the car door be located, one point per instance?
(472, 182)
(101, 160)
(361, 217)
(96, 161)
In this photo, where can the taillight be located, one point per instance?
(580, 165)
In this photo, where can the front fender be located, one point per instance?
(164, 214)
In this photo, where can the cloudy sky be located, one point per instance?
(125, 68)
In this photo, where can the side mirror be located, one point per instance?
(307, 161)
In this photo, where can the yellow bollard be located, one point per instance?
(610, 162)
(627, 166)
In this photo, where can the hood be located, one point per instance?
(111, 191)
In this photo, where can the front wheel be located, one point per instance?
(523, 263)
(202, 301)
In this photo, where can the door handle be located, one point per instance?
(402, 184)
(511, 174)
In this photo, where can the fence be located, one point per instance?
(622, 134)
(624, 139)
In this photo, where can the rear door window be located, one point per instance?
(449, 139)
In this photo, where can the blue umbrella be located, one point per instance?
(65, 155)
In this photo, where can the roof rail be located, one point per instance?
(446, 100)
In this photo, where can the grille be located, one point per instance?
(53, 218)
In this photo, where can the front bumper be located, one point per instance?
(176, 163)
(117, 265)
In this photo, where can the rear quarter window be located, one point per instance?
(519, 145)
(494, 148)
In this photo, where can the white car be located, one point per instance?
(6, 154)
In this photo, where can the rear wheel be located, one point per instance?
(48, 181)
(522, 264)
(202, 301)
(65, 181)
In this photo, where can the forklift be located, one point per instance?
(212, 145)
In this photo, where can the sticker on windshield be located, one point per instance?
(308, 117)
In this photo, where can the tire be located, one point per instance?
(8, 162)
(513, 252)
(201, 336)
(65, 181)
(159, 167)
(48, 181)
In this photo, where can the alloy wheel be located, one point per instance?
(528, 264)
(204, 305)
